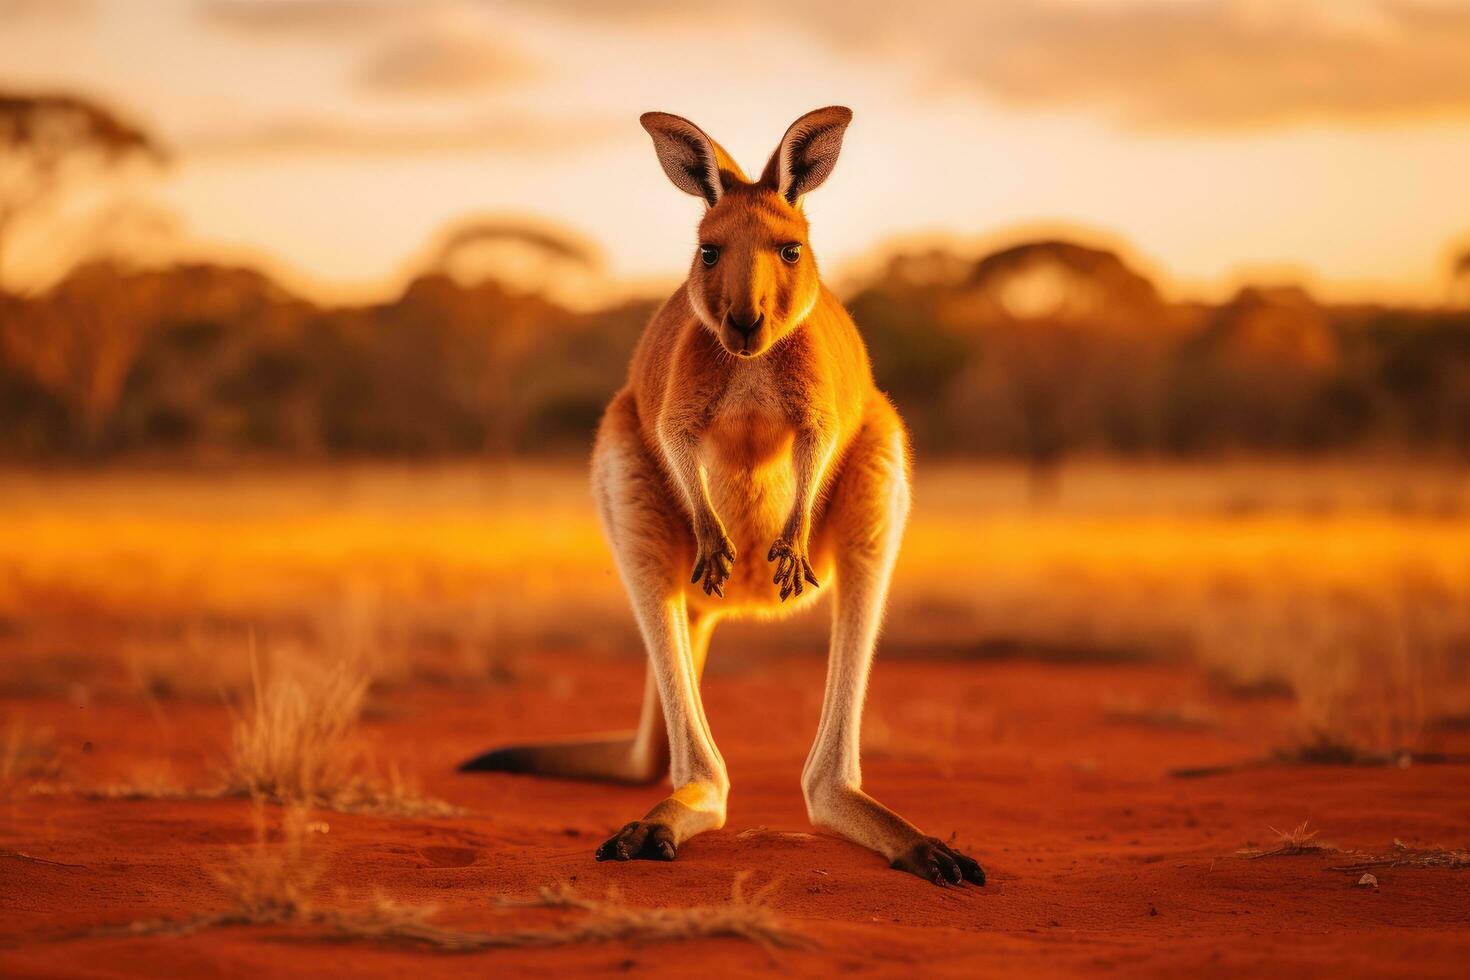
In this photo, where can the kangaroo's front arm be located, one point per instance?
(681, 425)
(812, 452)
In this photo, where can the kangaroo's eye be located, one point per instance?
(791, 252)
(709, 254)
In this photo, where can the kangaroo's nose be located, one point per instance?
(746, 329)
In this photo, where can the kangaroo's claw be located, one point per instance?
(792, 568)
(938, 863)
(639, 840)
(714, 563)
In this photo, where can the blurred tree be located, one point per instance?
(82, 341)
(916, 357)
(1425, 370)
(1460, 280)
(1264, 371)
(552, 248)
(52, 144)
(524, 254)
(1070, 342)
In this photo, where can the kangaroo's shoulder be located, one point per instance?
(653, 356)
(677, 361)
(834, 340)
(832, 314)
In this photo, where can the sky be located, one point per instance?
(1212, 141)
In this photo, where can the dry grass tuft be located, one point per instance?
(295, 747)
(26, 756)
(294, 744)
(743, 917)
(747, 917)
(273, 884)
(1299, 840)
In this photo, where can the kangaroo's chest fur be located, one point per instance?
(750, 425)
(746, 450)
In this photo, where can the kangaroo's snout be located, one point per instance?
(743, 332)
(745, 323)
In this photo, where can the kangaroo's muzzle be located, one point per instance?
(743, 337)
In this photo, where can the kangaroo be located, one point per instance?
(750, 425)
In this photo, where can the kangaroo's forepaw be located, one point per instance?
(639, 841)
(715, 560)
(936, 862)
(792, 568)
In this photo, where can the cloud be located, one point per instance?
(438, 63)
(1224, 64)
(1144, 64)
(304, 136)
(414, 47)
(294, 17)
(22, 10)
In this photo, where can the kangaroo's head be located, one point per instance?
(753, 278)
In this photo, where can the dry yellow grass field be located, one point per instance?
(1346, 584)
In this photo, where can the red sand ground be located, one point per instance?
(1098, 860)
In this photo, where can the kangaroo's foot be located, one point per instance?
(936, 862)
(693, 809)
(715, 560)
(641, 840)
(792, 567)
(850, 812)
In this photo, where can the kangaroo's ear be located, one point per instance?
(808, 152)
(695, 163)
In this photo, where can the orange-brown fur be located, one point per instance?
(751, 447)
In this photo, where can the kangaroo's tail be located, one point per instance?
(616, 758)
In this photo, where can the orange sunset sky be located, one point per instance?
(1324, 140)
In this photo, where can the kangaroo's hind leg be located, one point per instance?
(639, 756)
(644, 525)
(868, 507)
(651, 540)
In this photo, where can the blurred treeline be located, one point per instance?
(220, 361)
(1051, 347)
(1037, 351)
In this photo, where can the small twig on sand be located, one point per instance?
(23, 856)
(1404, 856)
